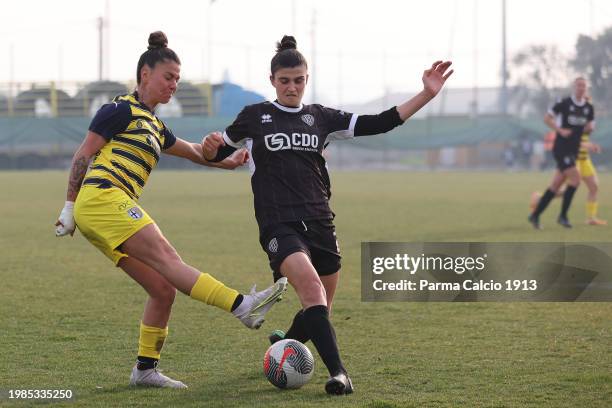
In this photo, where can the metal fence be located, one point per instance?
(70, 99)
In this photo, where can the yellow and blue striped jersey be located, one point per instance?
(135, 138)
(583, 153)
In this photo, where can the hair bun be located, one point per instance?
(157, 40)
(287, 43)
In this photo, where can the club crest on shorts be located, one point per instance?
(308, 119)
(273, 245)
(135, 213)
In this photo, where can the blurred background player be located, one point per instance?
(126, 139)
(588, 174)
(291, 188)
(570, 118)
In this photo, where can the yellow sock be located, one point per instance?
(591, 209)
(151, 340)
(212, 292)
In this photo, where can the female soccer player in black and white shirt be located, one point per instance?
(570, 118)
(291, 188)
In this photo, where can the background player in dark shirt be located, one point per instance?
(291, 188)
(569, 118)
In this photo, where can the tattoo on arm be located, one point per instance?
(77, 174)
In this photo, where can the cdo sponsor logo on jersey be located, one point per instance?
(297, 141)
(574, 120)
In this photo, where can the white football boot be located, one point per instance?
(252, 311)
(153, 378)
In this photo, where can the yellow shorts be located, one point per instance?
(586, 168)
(107, 218)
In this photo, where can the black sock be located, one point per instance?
(237, 302)
(146, 363)
(318, 326)
(567, 200)
(297, 331)
(543, 203)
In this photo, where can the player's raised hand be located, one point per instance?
(236, 159)
(211, 144)
(435, 77)
(65, 222)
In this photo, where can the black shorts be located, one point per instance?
(564, 160)
(316, 238)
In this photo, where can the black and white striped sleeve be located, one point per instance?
(341, 124)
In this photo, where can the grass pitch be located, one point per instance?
(69, 319)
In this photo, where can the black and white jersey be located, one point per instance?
(289, 175)
(572, 115)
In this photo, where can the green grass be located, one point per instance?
(69, 319)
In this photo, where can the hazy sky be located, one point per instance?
(362, 47)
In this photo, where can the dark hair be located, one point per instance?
(287, 55)
(157, 51)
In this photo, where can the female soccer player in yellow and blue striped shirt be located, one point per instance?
(125, 139)
(589, 176)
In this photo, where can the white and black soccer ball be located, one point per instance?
(288, 364)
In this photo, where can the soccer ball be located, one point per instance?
(288, 364)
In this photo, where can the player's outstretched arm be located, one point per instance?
(195, 153)
(433, 81)
(80, 162)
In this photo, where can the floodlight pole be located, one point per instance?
(11, 78)
(475, 63)
(504, 70)
(293, 24)
(106, 33)
(100, 45)
(313, 77)
(60, 64)
(210, 42)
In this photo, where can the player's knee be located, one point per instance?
(555, 186)
(312, 292)
(165, 295)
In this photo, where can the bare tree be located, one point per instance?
(538, 75)
(594, 60)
